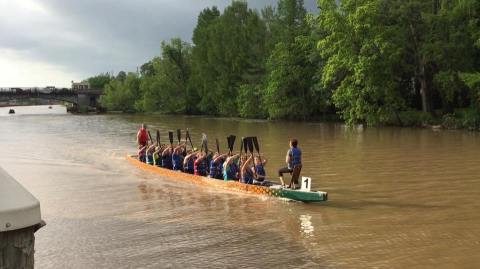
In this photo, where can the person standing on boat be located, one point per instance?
(293, 160)
(142, 136)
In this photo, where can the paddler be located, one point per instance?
(260, 173)
(157, 160)
(177, 158)
(189, 163)
(230, 168)
(142, 153)
(216, 166)
(293, 160)
(200, 164)
(246, 171)
(167, 158)
(142, 136)
(150, 152)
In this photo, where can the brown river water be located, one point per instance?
(399, 197)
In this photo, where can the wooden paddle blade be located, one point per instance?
(170, 137)
(158, 137)
(255, 143)
(179, 135)
(150, 136)
(250, 145)
(232, 138)
(187, 135)
(218, 145)
(229, 143)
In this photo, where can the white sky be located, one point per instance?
(52, 42)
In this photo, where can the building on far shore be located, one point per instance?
(80, 85)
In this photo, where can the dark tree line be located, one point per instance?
(399, 62)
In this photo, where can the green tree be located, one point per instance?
(229, 51)
(292, 65)
(166, 90)
(291, 80)
(122, 95)
(99, 81)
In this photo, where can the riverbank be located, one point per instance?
(460, 120)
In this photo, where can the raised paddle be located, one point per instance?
(250, 145)
(179, 135)
(187, 135)
(205, 142)
(231, 143)
(158, 137)
(150, 136)
(250, 148)
(170, 137)
(218, 145)
(241, 147)
(245, 146)
(257, 147)
(233, 140)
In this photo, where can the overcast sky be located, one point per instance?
(51, 42)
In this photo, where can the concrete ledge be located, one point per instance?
(18, 207)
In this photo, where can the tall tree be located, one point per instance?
(291, 71)
(229, 52)
(166, 90)
(99, 81)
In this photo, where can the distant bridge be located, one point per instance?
(87, 98)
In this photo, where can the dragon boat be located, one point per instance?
(275, 190)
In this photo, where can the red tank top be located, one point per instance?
(142, 135)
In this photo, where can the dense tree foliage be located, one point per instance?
(367, 61)
(99, 81)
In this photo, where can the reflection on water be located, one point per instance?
(306, 226)
(398, 197)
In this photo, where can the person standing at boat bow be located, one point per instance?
(142, 136)
(293, 160)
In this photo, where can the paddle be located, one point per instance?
(179, 135)
(245, 144)
(218, 146)
(205, 142)
(250, 145)
(255, 143)
(232, 142)
(241, 147)
(170, 137)
(250, 148)
(158, 137)
(187, 135)
(150, 136)
(229, 143)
